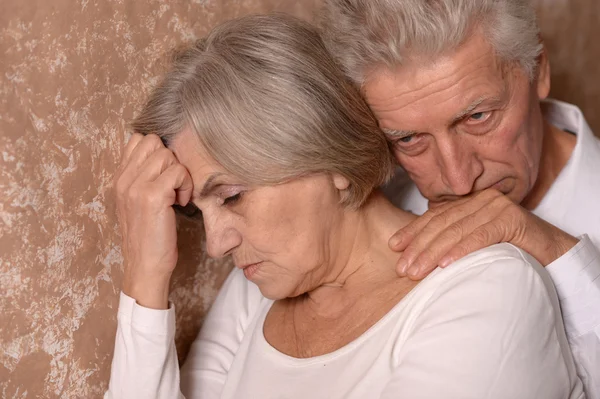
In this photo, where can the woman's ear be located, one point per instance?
(340, 182)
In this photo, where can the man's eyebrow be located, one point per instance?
(209, 185)
(474, 105)
(397, 134)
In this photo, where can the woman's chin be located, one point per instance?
(275, 291)
(272, 294)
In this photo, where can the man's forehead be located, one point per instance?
(475, 62)
(410, 107)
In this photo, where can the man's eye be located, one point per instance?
(406, 139)
(479, 116)
(233, 199)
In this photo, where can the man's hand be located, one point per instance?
(452, 230)
(149, 181)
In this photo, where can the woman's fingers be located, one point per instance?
(149, 161)
(155, 164)
(177, 179)
(163, 168)
(144, 148)
(150, 182)
(134, 140)
(150, 221)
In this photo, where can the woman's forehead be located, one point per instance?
(192, 154)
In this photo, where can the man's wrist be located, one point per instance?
(557, 246)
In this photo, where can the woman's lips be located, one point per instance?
(250, 269)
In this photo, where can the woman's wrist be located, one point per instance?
(148, 291)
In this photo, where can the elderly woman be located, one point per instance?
(283, 158)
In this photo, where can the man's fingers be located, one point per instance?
(429, 257)
(427, 244)
(433, 255)
(450, 223)
(412, 238)
(483, 236)
(403, 237)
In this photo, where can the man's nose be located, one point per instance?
(459, 165)
(221, 236)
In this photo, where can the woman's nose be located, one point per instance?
(221, 236)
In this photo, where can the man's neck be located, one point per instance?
(557, 148)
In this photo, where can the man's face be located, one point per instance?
(464, 122)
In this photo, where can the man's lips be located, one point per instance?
(502, 185)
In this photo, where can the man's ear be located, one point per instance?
(340, 182)
(543, 75)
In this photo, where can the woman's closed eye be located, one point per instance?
(232, 199)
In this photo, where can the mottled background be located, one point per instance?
(72, 74)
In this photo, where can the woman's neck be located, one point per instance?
(364, 261)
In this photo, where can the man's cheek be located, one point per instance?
(413, 168)
(426, 177)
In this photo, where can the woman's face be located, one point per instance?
(283, 237)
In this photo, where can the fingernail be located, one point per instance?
(445, 262)
(402, 266)
(394, 242)
(413, 272)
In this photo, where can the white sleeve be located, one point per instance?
(576, 276)
(491, 331)
(204, 372)
(145, 362)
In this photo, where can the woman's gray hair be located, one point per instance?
(269, 104)
(366, 34)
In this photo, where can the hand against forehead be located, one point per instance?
(449, 231)
(149, 181)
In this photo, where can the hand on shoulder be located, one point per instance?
(452, 230)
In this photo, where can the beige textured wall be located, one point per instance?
(571, 32)
(71, 74)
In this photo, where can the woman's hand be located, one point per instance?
(149, 181)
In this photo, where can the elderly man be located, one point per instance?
(460, 88)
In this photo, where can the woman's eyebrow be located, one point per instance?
(209, 184)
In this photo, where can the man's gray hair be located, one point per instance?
(269, 104)
(367, 34)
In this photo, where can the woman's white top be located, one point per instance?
(489, 326)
